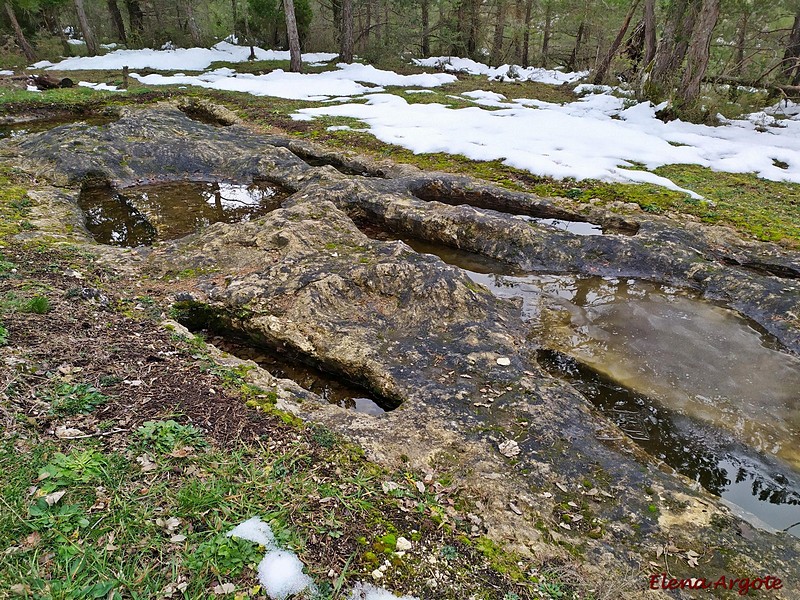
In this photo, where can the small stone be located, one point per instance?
(509, 448)
(377, 574)
(389, 486)
(403, 544)
(184, 297)
(504, 361)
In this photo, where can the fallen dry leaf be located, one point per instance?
(225, 588)
(64, 433)
(32, 540)
(52, 499)
(389, 486)
(146, 463)
(182, 452)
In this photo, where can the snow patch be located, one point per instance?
(367, 591)
(280, 572)
(254, 530)
(170, 58)
(598, 136)
(5, 72)
(101, 87)
(346, 81)
(502, 73)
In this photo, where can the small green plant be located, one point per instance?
(323, 436)
(449, 552)
(223, 556)
(3, 335)
(166, 436)
(5, 267)
(77, 467)
(38, 304)
(72, 399)
(61, 519)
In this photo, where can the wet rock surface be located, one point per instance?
(422, 335)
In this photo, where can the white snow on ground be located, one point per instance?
(101, 87)
(280, 572)
(503, 72)
(367, 591)
(5, 72)
(189, 59)
(346, 81)
(594, 137)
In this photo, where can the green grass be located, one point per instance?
(72, 399)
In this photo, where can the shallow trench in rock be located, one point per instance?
(284, 364)
(694, 384)
(544, 214)
(141, 215)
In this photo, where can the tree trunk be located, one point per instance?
(548, 31)
(116, 18)
(791, 57)
(346, 46)
(235, 18)
(602, 68)
(86, 29)
(26, 48)
(649, 20)
(426, 29)
(378, 27)
(698, 53)
(658, 80)
(526, 35)
(295, 59)
(496, 55)
(194, 30)
(459, 45)
(741, 37)
(136, 17)
(573, 58)
(51, 21)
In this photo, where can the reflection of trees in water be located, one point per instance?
(113, 220)
(678, 442)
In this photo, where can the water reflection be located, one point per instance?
(576, 227)
(140, 215)
(695, 384)
(715, 459)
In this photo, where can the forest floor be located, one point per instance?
(127, 453)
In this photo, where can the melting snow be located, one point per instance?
(280, 572)
(346, 81)
(367, 591)
(103, 87)
(190, 59)
(597, 137)
(503, 72)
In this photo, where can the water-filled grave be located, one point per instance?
(695, 384)
(142, 215)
